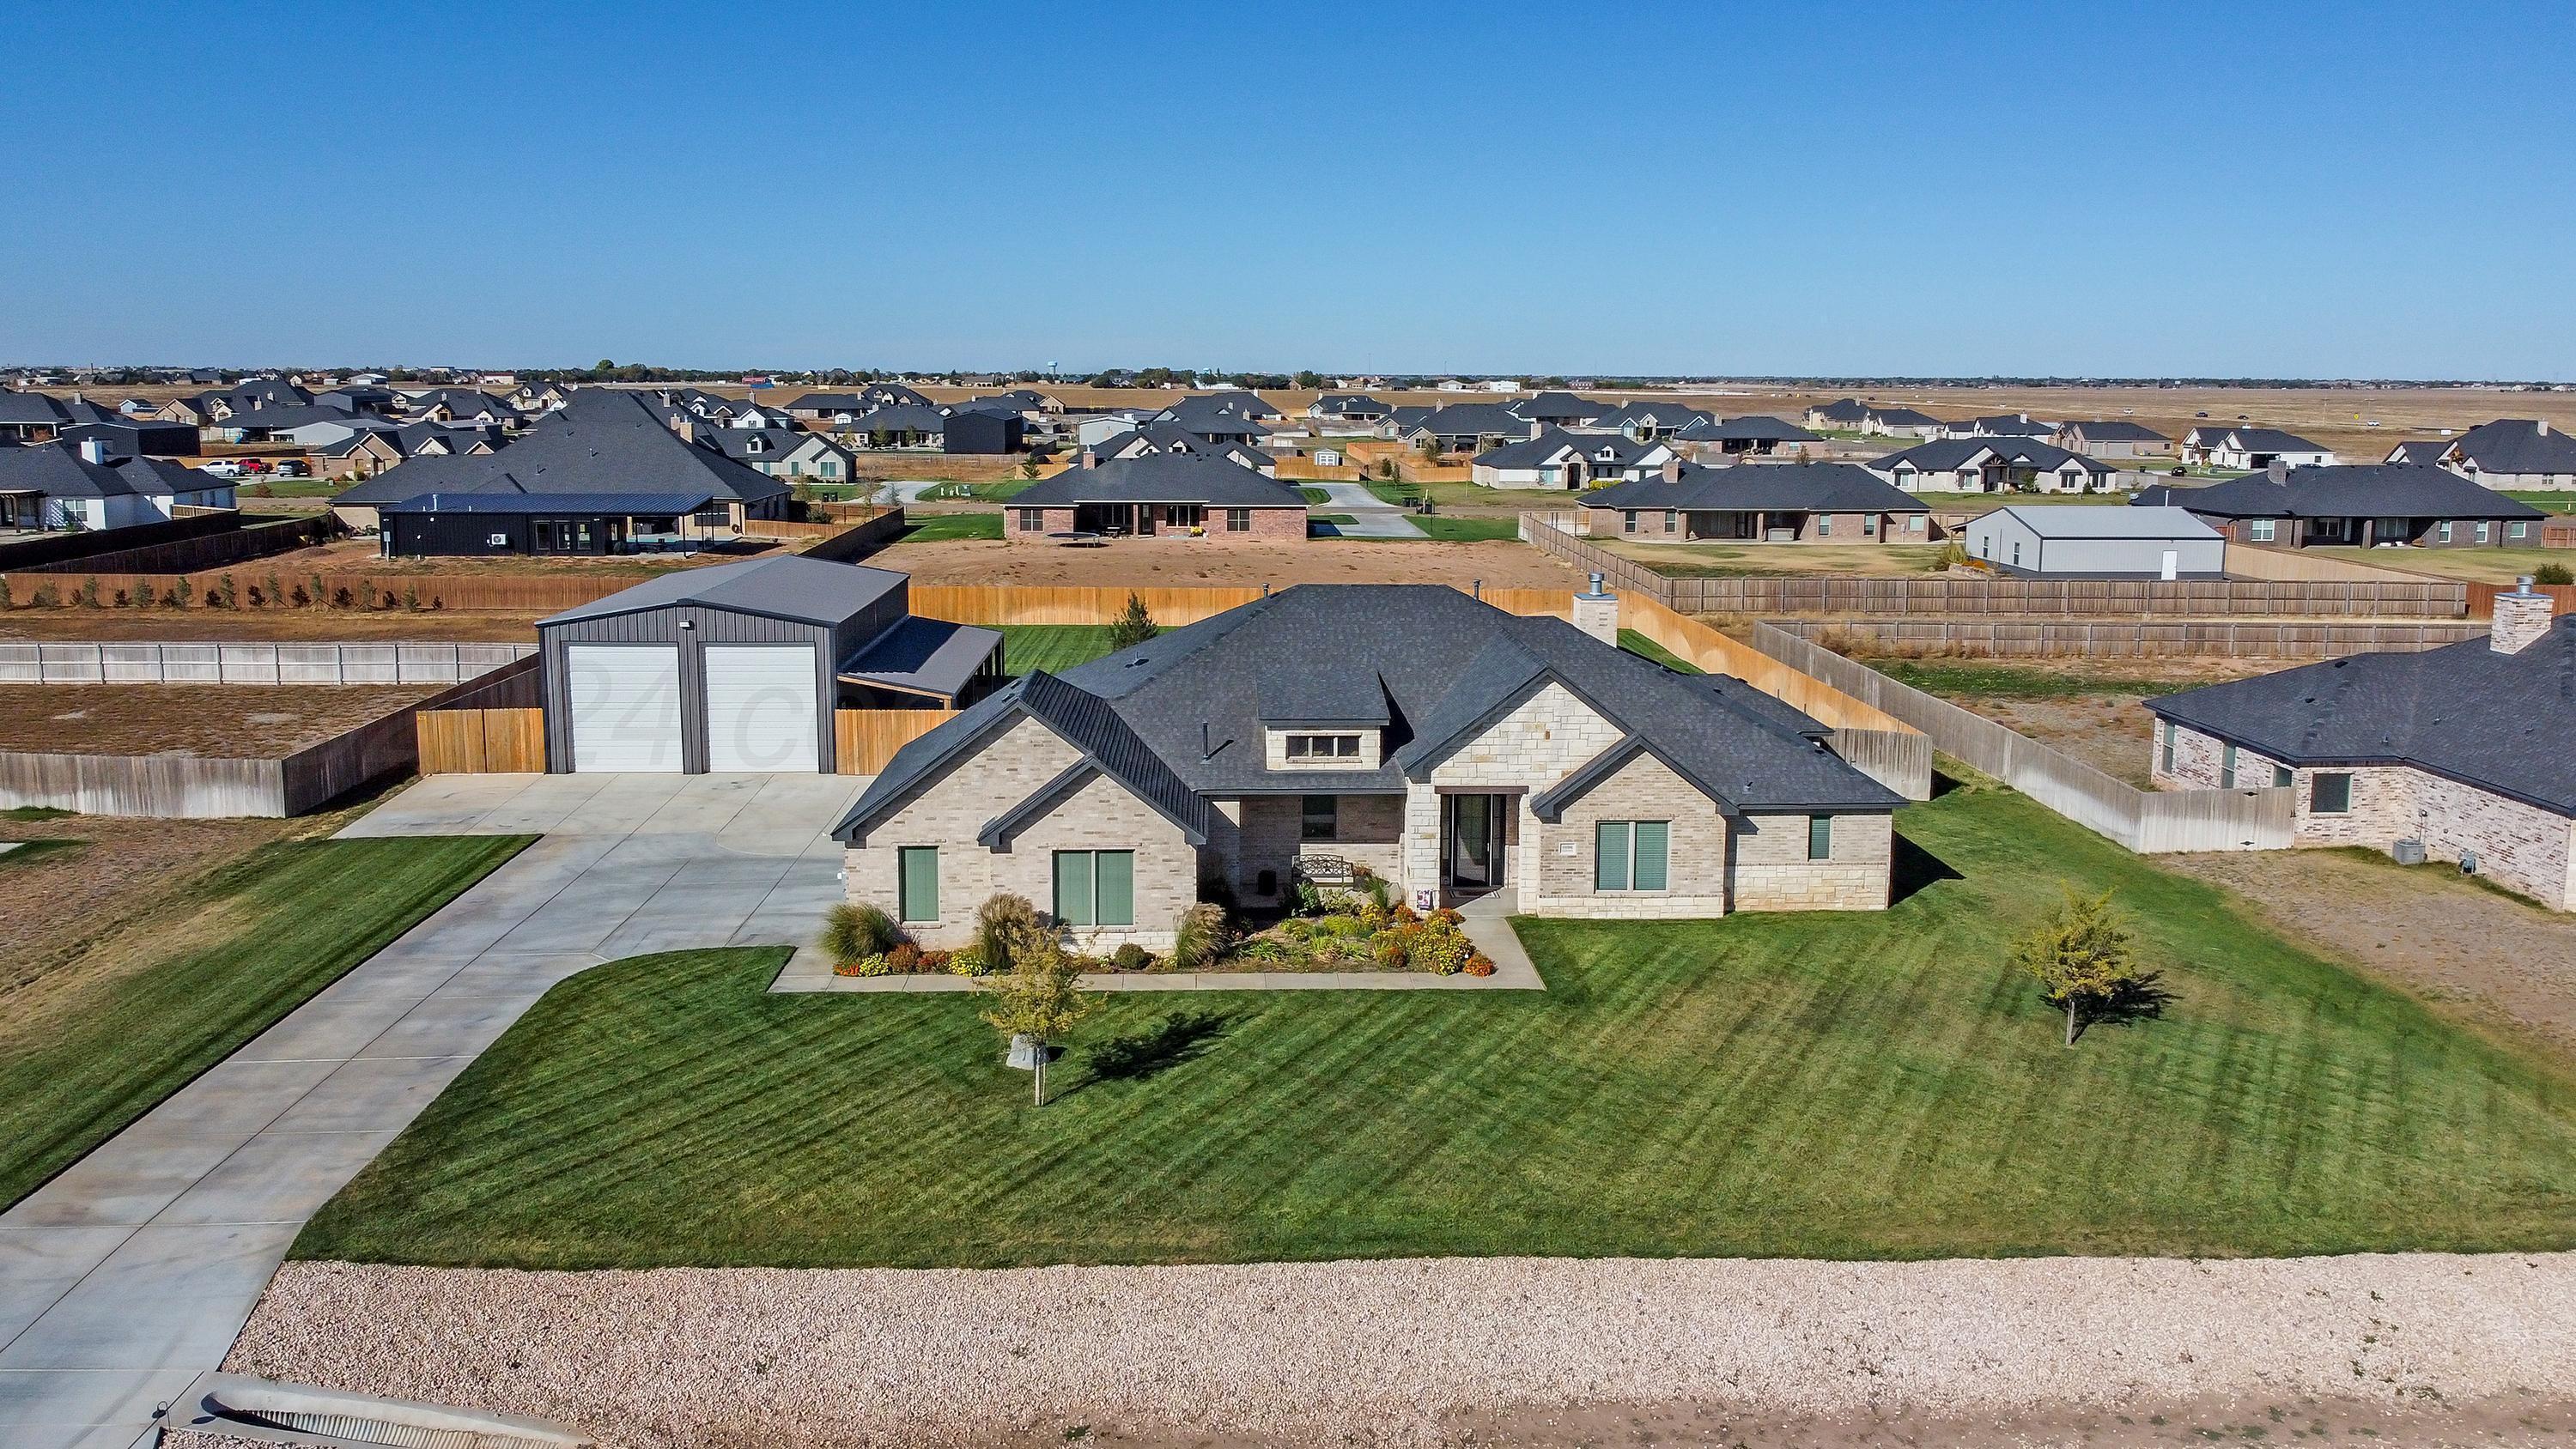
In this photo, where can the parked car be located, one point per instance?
(254, 465)
(293, 468)
(222, 468)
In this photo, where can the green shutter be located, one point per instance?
(917, 868)
(1073, 887)
(1610, 855)
(1652, 836)
(1114, 879)
(1820, 837)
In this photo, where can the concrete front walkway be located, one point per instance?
(1371, 516)
(128, 1275)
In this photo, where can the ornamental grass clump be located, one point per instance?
(854, 931)
(1198, 937)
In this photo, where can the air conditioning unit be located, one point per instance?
(2468, 862)
(2408, 852)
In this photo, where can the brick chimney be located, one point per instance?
(1672, 474)
(1596, 612)
(2521, 618)
(1090, 458)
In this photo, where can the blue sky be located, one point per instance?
(2152, 189)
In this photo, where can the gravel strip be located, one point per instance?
(1391, 1352)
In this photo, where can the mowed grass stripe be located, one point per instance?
(265, 934)
(1854, 1085)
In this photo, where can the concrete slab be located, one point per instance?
(39, 1265)
(276, 1177)
(450, 1024)
(373, 1094)
(84, 1408)
(166, 1298)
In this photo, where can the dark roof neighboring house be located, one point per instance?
(2005, 425)
(2266, 440)
(1180, 718)
(1811, 488)
(524, 505)
(750, 444)
(256, 394)
(1339, 405)
(1666, 415)
(602, 440)
(901, 418)
(2515, 445)
(30, 409)
(1754, 428)
(2427, 451)
(1223, 415)
(2347, 490)
(1600, 450)
(463, 402)
(2465, 711)
(1160, 478)
(295, 415)
(873, 395)
(2114, 430)
(1903, 418)
(57, 471)
(1468, 420)
(1842, 412)
(1148, 439)
(1556, 407)
(1947, 454)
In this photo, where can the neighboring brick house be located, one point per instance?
(1741, 437)
(1559, 460)
(1449, 747)
(1158, 495)
(2363, 505)
(1758, 503)
(2465, 749)
(1992, 465)
(2514, 453)
(2113, 438)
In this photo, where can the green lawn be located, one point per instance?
(1453, 528)
(276, 927)
(2551, 502)
(1639, 644)
(1846, 1085)
(2018, 681)
(1452, 494)
(940, 527)
(1315, 497)
(1054, 648)
(992, 492)
(2481, 565)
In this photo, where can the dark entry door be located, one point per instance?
(1471, 833)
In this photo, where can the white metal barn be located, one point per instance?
(739, 667)
(2098, 543)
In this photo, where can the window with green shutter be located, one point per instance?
(917, 872)
(1820, 837)
(1095, 887)
(1631, 855)
(1610, 855)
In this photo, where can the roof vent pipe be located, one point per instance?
(1207, 746)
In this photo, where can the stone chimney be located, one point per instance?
(2521, 618)
(1596, 612)
(1672, 474)
(2541, 423)
(2278, 470)
(1090, 458)
(94, 450)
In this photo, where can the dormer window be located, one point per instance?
(1323, 747)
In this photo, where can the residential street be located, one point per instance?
(128, 1275)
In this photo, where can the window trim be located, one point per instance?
(2227, 767)
(2165, 744)
(904, 856)
(1630, 858)
(2316, 791)
(1303, 746)
(1032, 520)
(1238, 520)
(1820, 832)
(1091, 917)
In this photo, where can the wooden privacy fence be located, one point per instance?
(246, 543)
(51, 549)
(2131, 639)
(494, 725)
(1923, 594)
(864, 739)
(2482, 597)
(176, 787)
(147, 662)
(850, 542)
(2145, 821)
(1070, 604)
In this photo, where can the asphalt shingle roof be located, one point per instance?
(1161, 478)
(2516, 445)
(2347, 490)
(1752, 428)
(2115, 430)
(1754, 487)
(602, 440)
(1946, 454)
(2465, 711)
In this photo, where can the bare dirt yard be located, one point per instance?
(2507, 961)
(109, 872)
(243, 721)
(1438, 1351)
(2091, 709)
(1180, 563)
(1727, 560)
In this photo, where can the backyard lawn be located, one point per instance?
(266, 933)
(2478, 565)
(1846, 1085)
(940, 527)
(1746, 560)
(1054, 648)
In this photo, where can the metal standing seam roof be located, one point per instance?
(2146, 522)
(516, 504)
(805, 590)
(923, 656)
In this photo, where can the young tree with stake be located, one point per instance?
(2082, 956)
(1037, 999)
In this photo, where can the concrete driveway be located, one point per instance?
(128, 1275)
(1371, 516)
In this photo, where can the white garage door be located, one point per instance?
(625, 706)
(760, 707)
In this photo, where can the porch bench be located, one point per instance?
(1327, 870)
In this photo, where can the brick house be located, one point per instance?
(1158, 495)
(2464, 749)
(1992, 465)
(1764, 503)
(1447, 746)
(2356, 505)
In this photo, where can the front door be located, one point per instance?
(1472, 841)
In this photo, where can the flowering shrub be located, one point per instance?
(1440, 948)
(969, 960)
(905, 957)
(870, 965)
(1480, 964)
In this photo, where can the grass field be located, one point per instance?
(1639, 644)
(1315, 497)
(1456, 495)
(938, 527)
(270, 931)
(1845, 1085)
(2480, 565)
(27, 851)
(2558, 502)
(1054, 648)
(2019, 681)
(993, 492)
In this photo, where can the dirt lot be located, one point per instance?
(291, 626)
(214, 720)
(1182, 562)
(1727, 561)
(2091, 709)
(359, 556)
(2445, 936)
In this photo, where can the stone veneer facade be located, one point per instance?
(2520, 846)
(1715, 865)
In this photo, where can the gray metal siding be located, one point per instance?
(662, 626)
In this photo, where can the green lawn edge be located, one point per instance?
(303, 912)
